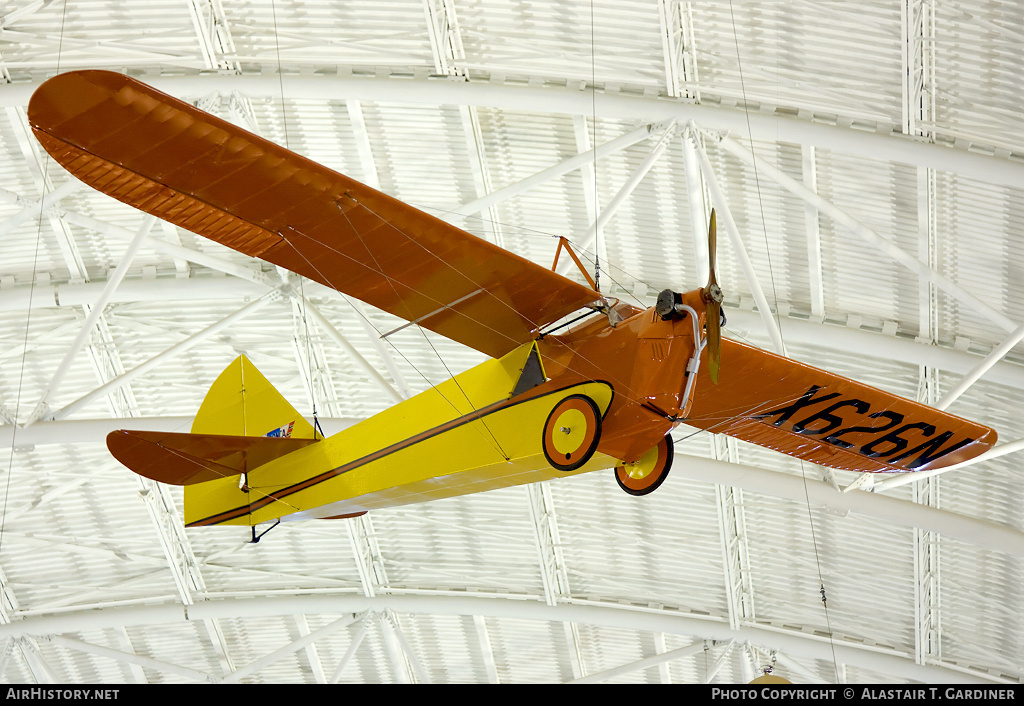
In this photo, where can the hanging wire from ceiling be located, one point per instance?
(598, 235)
(31, 292)
(311, 374)
(775, 296)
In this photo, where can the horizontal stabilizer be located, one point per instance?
(187, 459)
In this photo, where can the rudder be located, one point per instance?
(241, 402)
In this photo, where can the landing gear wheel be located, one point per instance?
(572, 432)
(645, 475)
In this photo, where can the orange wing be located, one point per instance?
(172, 160)
(828, 419)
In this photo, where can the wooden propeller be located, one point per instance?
(713, 312)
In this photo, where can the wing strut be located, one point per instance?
(564, 243)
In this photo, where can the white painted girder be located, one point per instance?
(793, 643)
(94, 312)
(645, 663)
(853, 225)
(726, 223)
(178, 348)
(821, 494)
(970, 160)
(592, 239)
(129, 658)
(582, 160)
(796, 329)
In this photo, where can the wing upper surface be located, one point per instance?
(828, 419)
(170, 159)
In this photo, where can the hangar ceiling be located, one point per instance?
(867, 160)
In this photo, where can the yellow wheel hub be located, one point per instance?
(643, 467)
(570, 431)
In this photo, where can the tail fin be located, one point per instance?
(241, 402)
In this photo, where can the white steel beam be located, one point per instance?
(311, 358)
(357, 120)
(37, 665)
(256, 666)
(44, 205)
(678, 48)
(582, 126)
(129, 658)
(214, 34)
(327, 327)
(490, 224)
(554, 574)
(993, 453)
(369, 618)
(553, 568)
(735, 560)
(590, 238)
(796, 329)
(997, 354)
(927, 544)
(369, 561)
(400, 666)
(870, 236)
(94, 314)
(410, 654)
(214, 262)
(28, 8)
(696, 192)
(171, 534)
(872, 344)
(975, 163)
(174, 350)
(820, 494)
(724, 217)
(582, 159)
(917, 24)
(486, 649)
(927, 586)
(38, 161)
(445, 37)
(817, 289)
(792, 642)
(719, 662)
(645, 663)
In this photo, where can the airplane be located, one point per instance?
(557, 396)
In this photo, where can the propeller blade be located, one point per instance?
(713, 312)
(712, 248)
(713, 318)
